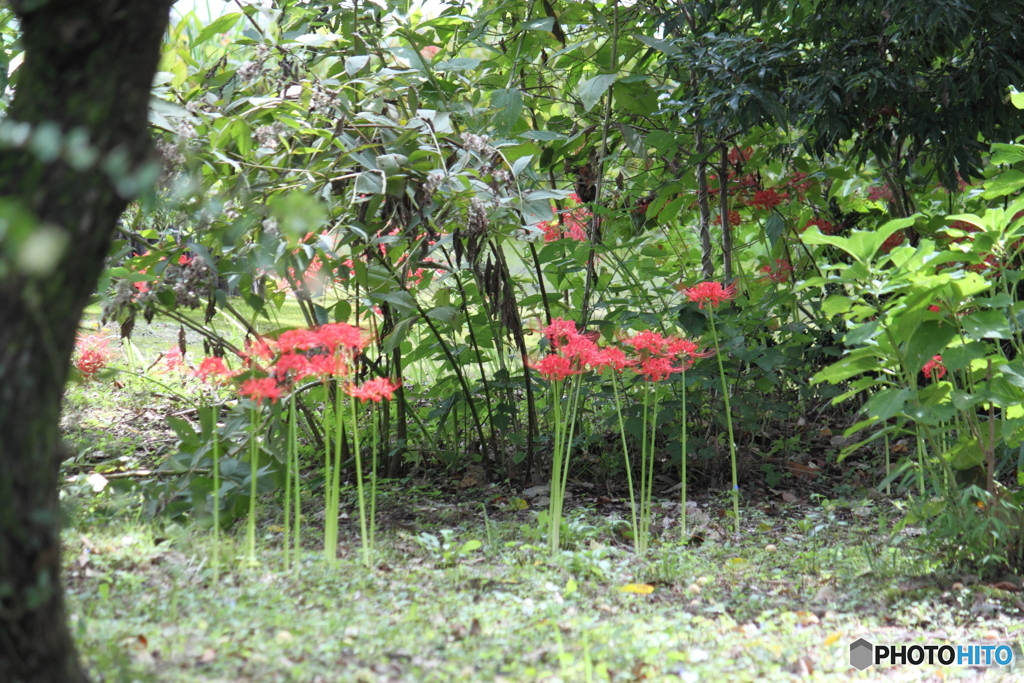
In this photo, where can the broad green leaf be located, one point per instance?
(507, 105)
(220, 25)
(930, 339)
(593, 89)
(887, 403)
(355, 64)
(457, 64)
(987, 324)
(1005, 183)
(965, 455)
(774, 227)
(659, 45)
(1007, 154)
(540, 24)
(836, 304)
(848, 367)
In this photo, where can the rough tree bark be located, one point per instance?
(89, 66)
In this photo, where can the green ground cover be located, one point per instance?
(459, 592)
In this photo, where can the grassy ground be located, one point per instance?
(780, 603)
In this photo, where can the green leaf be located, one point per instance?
(836, 304)
(220, 25)
(887, 403)
(930, 339)
(355, 64)
(1007, 154)
(507, 105)
(659, 45)
(965, 455)
(850, 366)
(1005, 183)
(987, 324)
(541, 24)
(774, 227)
(593, 89)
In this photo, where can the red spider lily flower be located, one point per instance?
(657, 368)
(738, 156)
(258, 349)
(580, 348)
(298, 340)
(213, 367)
(373, 390)
(326, 365)
(560, 332)
(734, 218)
(292, 365)
(934, 369)
(260, 389)
(647, 343)
(173, 360)
(710, 293)
(780, 273)
(767, 199)
(92, 354)
(609, 357)
(686, 350)
(880, 193)
(554, 368)
(341, 335)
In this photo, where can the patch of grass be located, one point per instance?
(776, 604)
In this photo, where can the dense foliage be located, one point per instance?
(456, 186)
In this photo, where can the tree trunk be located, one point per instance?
(88, 69)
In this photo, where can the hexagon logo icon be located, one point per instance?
(862, 654)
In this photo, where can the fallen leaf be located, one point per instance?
(833, 637)
(518, 504)
(638, 588)
(209, 654)
(789, 497)
(807, 618)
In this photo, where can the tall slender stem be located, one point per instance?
(363, 535)
(629, 468)
(728, 419)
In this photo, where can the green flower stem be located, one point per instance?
(363, 535)
(250, 539)
(629, 468)
(728, 417)
(216, 494)
(682, 459)
(330, 546)
(288, 483)
(373, 481)
(334, 481)
(556, 467)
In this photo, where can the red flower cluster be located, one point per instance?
(767, 199)
(572, 225)
(738, 156)
(92, 353)
(328, 351)
(880, 193)
(734, 218)
(713, 293)
(780, 273)
(934, 369)
(656, 357)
